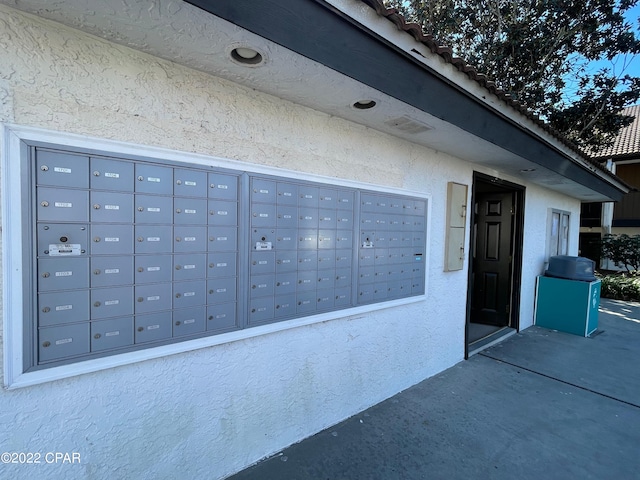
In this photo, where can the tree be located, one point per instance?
(541, 53)
(623, 250)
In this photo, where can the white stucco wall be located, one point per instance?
(212, 411)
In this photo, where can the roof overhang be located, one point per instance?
(327, 55)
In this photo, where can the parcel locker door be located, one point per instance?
(152, 298)
(154, 327)
(111, 175)
(222, 186)
(63, 273)
(189, 183)
(153, 239)
(56, 308)
(189, 321)
(153, 268)
(189, 239)
(112, 333)
(111, 302)
(111, 239)
(222, 264)
(66, 341)
(189, 294)
(189, 211)
(153, 179)
(222, 213)
(189, 266)
(222, 239)
(62, 205)
(111, 207)
(111, 271)
(221, 317)
(153, 209)
(62, 239)
(62, 169)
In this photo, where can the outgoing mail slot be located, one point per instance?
(189, 211)
(222, 213)
(189, 321)
(222, 317)
(111, 302)
(287, 194)
(111, 271)
(56, 308)
(262, 286)
(222, 239)
(263, 191)
(111, 207)
(112, 333)
(153, 179)
(111, 239)
(152, 298)
(221, 290)
(61, 205)
(62, 169)
(189, 294)
(189, 239)
(55, 343)
(154, 327)
(223, 187)
(222, 265)
(153, 239)
(189, 183)
(189, 266)
(111, 175)
(153, 209)
(62, 239)
(153, 268)
(62, 273)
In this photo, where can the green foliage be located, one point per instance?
(539, 52)
(623, 250)
(621, 287)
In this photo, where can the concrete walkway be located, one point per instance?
(540, 405)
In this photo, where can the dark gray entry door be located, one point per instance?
(492, 258)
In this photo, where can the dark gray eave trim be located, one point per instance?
(318, 31)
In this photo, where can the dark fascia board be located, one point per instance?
(318, 31)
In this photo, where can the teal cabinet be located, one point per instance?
(569, 306)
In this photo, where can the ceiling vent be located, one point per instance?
(408, 125)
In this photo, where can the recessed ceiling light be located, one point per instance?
(364, 104)
(246, 56)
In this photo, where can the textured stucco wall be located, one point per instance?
(210, 412)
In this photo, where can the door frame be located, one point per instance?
(517, 240)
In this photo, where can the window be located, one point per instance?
(559, 233)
